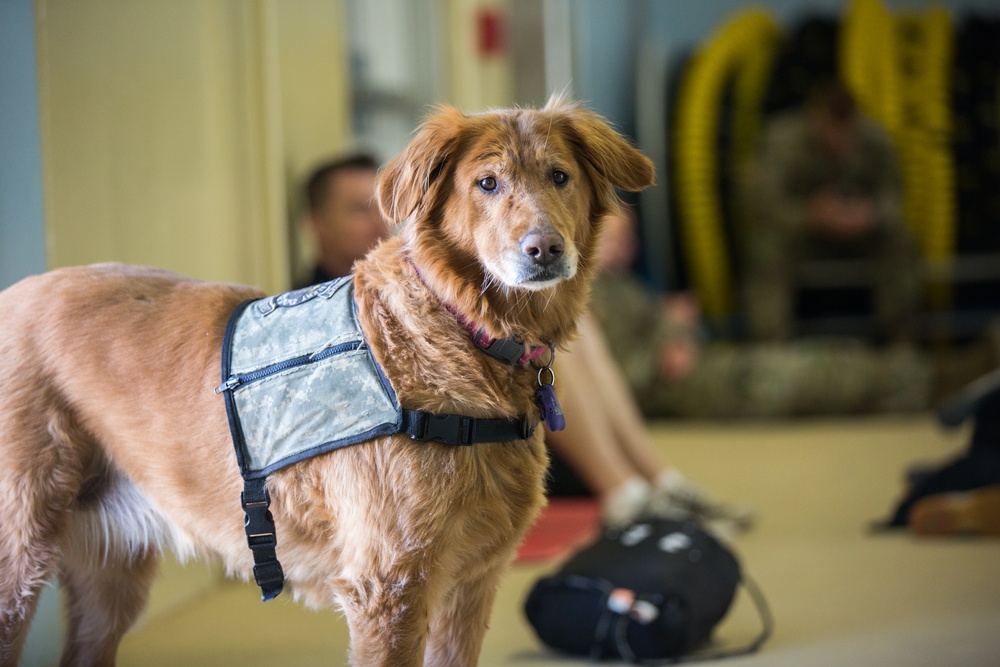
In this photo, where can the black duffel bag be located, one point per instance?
(649, 593)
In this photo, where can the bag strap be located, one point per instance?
(767, 628)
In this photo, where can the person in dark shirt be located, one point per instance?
(342, 215)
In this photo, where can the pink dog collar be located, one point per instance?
(508, 350)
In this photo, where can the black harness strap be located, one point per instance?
(261, 537)
(454, 430)
(458, 430)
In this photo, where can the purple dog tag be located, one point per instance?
(545, 397)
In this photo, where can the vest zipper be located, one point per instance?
(241, 379)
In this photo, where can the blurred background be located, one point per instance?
(178, 133)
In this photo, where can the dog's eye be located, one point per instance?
(488, 184)
(559, 177)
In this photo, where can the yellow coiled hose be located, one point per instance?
(929, 174)
(869, 62)
(898, 69)
(743, 48)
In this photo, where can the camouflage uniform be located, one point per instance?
(634, 326)
(791, 168)
(803, 377)
(822, 376)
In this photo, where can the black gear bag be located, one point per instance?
(650, 593)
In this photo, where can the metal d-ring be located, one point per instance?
(547, 367)
(552, 359)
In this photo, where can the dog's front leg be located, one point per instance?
(387, 619)
(457, 629)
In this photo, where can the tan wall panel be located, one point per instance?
(314, 78)
(315, 105)
(161, 136)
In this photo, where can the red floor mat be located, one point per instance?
(564, 525)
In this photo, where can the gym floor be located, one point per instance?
(839, 594)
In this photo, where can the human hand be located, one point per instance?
(857, 216)
(840, 218)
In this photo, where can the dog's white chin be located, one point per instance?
(532, 282)
(539, 285)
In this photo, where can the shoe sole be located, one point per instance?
(974, 512)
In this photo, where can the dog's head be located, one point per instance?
(506, 207)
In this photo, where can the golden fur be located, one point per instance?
(114, 446)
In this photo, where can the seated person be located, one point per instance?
(606, 446)
(657, 343)
(825, 185)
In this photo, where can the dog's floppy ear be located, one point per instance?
(405, 182)
(604, 149)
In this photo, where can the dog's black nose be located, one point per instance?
(542, 247)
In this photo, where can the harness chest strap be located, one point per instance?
(455, 430)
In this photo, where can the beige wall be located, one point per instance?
(477, 82)
(315, 103)
(171, 130)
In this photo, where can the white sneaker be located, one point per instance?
(675, 495)
(625, 503)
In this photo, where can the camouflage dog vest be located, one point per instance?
(299, 380)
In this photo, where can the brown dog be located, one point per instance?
(114, 446)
